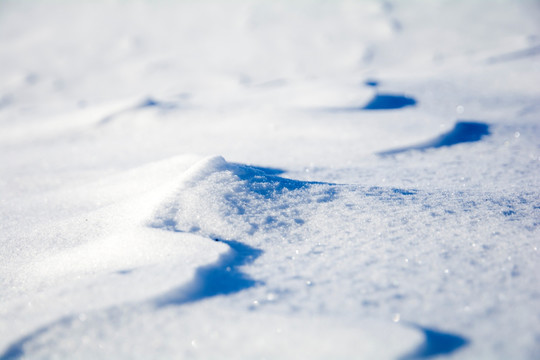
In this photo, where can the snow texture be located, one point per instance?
(269, 179)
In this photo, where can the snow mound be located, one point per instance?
(229, 201)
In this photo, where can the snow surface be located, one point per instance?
(269, 179)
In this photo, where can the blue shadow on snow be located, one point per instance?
(516, 55)
(379, 102)
(463, 132)
(436, 343)
(371, 83)
(389, 102)
(263, 181)
(267, 170)
(221, 278)
(149, 102)
(16, 349)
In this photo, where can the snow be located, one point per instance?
(269, 179)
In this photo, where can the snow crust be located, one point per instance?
(374, 193)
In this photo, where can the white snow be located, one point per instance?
(269, 179)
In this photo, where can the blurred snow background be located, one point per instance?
(269, 179)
